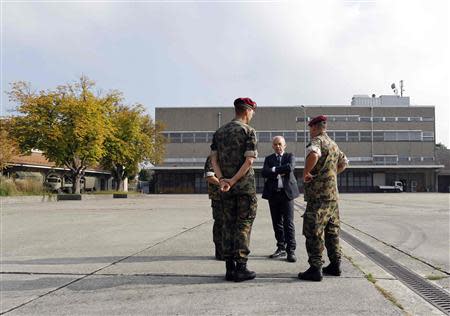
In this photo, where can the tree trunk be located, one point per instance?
(119, 184)
(76, 183)
(118, 177)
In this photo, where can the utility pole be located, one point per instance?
(304, 131)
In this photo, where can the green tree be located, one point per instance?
(135, 138)
(69, 124)
(8, 147)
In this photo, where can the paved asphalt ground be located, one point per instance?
(152, 255)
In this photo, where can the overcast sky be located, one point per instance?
(191, 53)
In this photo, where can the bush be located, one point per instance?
(29, 186)
(7, 187)
(20, 187)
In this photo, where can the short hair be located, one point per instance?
(278, 136)
(240, 108)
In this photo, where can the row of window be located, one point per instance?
(357, 118)
(294, 136)
(399, 159)
(377, 159)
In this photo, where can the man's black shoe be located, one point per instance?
(242, 273)
(230, 265)
(312, 274)
(291, 257)
(334, 268)
(278, 253)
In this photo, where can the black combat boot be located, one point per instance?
(230, 265)
(312, 274)
(242, 273)
(219, 255)
(334, 268)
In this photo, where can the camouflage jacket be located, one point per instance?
(232, 143)
(213, 190)
(323, 187)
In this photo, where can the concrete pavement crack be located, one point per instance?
(102, 268)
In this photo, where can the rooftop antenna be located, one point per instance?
(394, 88)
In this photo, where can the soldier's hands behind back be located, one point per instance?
(307, 177)
(224, 185)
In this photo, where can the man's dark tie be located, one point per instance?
(279, 160)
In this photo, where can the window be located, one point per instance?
(301, 136)
(263, 137)
(340, 119)
(402, 136)
(353, 136)
(210, 137)
(364, 119)
(188, 137)
(385, 159)
(428, 136)
(390, 136)
(289, 136)
(378, 119)
(403, 119)
(415, 119)
(390, 119)
(166, 136)
(201, 137)
(378, 136)
(331, 134)
(428, 119)
(353, 118)
(340, 136)
(415, 136)
(391, 160)
(365, 136)
(175, 137)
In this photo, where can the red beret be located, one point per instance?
(246, 102)
(317, 119)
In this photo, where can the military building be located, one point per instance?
(385, 139)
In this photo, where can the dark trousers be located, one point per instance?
(282, 212)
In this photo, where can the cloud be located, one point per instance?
(280, 53)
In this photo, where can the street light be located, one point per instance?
(304, 131)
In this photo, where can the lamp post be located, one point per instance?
(304, 131)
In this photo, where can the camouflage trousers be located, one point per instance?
(217, 214)
(239, 212)
(321, 227)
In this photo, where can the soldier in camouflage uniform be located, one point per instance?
(233, 151)
(324, 161)
(216, 205)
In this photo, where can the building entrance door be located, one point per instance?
(413, 185)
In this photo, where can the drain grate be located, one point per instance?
(430, 292)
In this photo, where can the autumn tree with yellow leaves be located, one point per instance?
(8, 147)
(135, 138)
(69, 124)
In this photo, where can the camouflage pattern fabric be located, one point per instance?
(239, 214)
(323, 187)
(232, 143)
(213, 190)
(217, 213)
(321, 226)
(216, 205)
